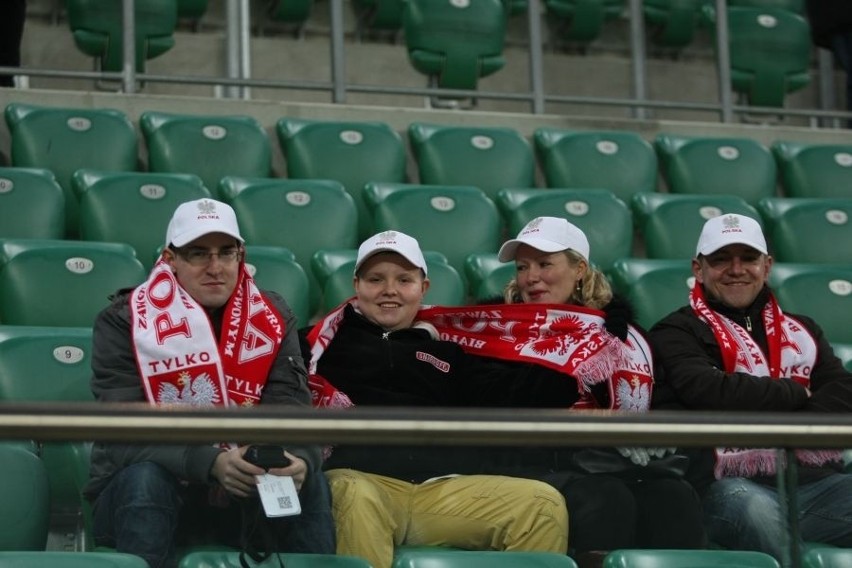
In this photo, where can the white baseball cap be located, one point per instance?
(197, 218)
(729, 229)
(547, 234)
(391, 241)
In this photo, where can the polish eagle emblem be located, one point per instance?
(633, 395)
(193, 391)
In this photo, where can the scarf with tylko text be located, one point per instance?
(570, 339)
(179, 358)
(791, 354)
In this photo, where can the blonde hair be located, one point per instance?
(594, 290)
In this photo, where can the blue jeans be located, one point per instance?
(743, 515)
(145, 510)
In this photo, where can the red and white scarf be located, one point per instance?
(570, 339)
(179, 358)
(791, 354)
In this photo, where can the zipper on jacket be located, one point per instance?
(748, 323)
(386, 337)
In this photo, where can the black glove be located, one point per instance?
(619, 313)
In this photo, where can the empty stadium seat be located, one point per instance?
(819, 291)
(581, 21)
(61, 559)
(634, 558)
(276, 269)
(191, 9)
(844, 353)
(455, 43)
(808, 229)
(300, 215)
(620, 161)
(290, 11)
(488, 158)
(605, 219)
(711, 165)
(231, 559)
(24, 501)
(210, 147)
(64, 140)
(437, 557)
(770, 52)
(47, 282)
(487, 276)
(827, 557)
(453, 220)
(796, 6)
(814, 170)
(672, 23)
(384, 15)
(97, 28)
(670, 223)
(32, 204)
(132, 207)
(352, 153)
(655, 286)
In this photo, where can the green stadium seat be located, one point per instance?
(581, 21)
(488, 158)
(634, 558)
(437, 557)
(827, 557)
(453, 220)
(294, 12)
(487, 276)
(231, 559)
(64, 140)
(605, 219)
(844, 353)
(455, 43)
(814, 170)
(191, 9)
(620, 161)
(672, 23)
(655, 286)
(300, 215)
(63, 559)
(796, 6)
(276, 269)
(770, 52)
(379, 15)
(32, 204)
(352, 153)
(24, 501)
(62, 283)
(210, 147)
(670, 223)
(97, 28)
(808, 229)
(710, 165)
(819, 291)
(132, 207)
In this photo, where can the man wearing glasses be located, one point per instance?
(198, 332)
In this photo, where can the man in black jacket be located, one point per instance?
(732, 348)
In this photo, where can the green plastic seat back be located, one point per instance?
(231, 559)
(672, 23)
(655, 286)
(32, 204)
(98, 31)
(739, 166)
(795, 6)
(453, 220)
(808, 229)
(379, 14)
(634, 558)
(487, 276)
(276, 269)
(24, 500)
(582, 21)
(191, 9)
(63, 559)
(300, 215)
(352, 153)
(64, 140)
(210, 147)
(455, 42)
(844, 353)
(437, 557)
(670, 223)
(488, 158)
(814, 170)
(132, 207)
(325, 261)
(290, 11)
(60, 282)
(819, 291)
(622, 162)
(770, 53)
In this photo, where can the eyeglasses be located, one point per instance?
(203, 257)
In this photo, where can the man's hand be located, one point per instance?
(642, 456)
(297, 469)
(234, 474)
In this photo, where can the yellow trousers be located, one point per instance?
(374, 513)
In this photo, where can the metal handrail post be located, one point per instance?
(338, 69)
(827, 100)
(232, 47)
(128, 47)
(536, 63)
(245, 47)
(723, 61)
(637, 50)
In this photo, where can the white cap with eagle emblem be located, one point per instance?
(729, 229)
(547, 234)
(391, 241)
(197, 218)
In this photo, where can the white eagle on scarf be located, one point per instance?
(198, 391)
(633, 395)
